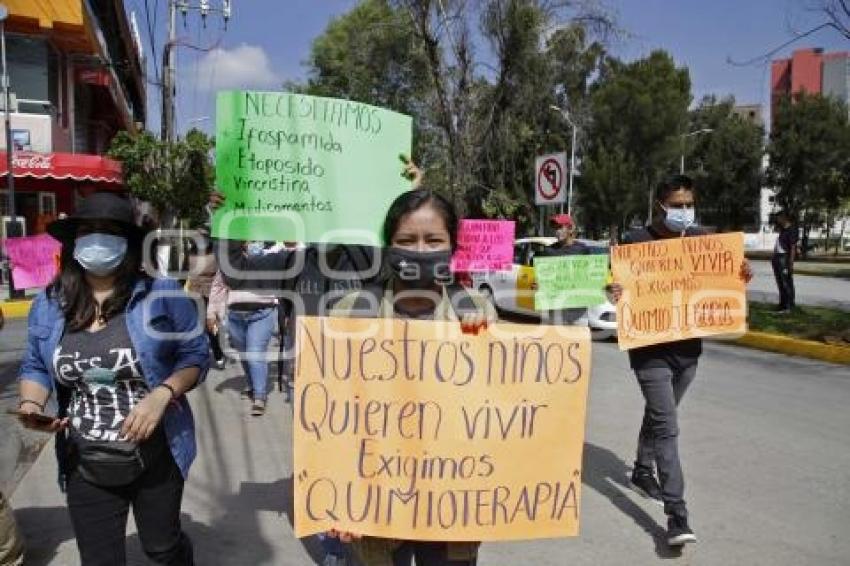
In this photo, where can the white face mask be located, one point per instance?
(100, 254)
(679, 219)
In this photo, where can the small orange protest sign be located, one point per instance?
(414, 430)
(680, 288)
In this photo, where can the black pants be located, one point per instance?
(99, 516)
(658, 441)
(784, 273)
(218, 354)
(426, 554)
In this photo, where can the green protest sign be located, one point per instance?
(565, 282)
(305, 168)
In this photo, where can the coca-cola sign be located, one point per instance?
(42, 161)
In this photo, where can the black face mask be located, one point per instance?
(420, 270)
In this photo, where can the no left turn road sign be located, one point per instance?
(550, 174)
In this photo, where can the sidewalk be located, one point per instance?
(237, 499)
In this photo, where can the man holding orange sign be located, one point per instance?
(674, 284)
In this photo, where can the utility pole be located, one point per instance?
(169, 70)
(14, 228)
(569, 120)
(169, 88)
(169, 74)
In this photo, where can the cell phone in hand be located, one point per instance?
(37, 418)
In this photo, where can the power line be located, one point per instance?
(152, 36)
(761, 59)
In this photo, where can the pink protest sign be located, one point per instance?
(34, 260)
(484, 245)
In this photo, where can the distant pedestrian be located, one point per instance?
(202, 270)
(251, 316)
(784, 255)
(567, 245)
(121, 350)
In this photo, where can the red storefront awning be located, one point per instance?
(59, 166)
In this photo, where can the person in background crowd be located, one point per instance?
(567, 245)
(664, 372)
(202, 270)
(565, 231)
(251, 317)
(122, 387)
(784, 254)
(11, 541)
(420, 232)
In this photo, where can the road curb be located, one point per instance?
(841, 274)
(16, 309)
(795, 347)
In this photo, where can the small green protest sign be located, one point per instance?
(305, 168)
(570, 281)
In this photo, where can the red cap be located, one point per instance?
(562, 220)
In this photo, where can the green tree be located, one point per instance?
(639, 111)
(810, 158)
(369, 54)
(176, 179)
(727, 165)
(481, 111)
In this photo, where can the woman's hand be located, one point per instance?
(27, 416)
(616, 292)
(216, 200)
(473, 323)
(746, 272)
(343, 536)
(212, 325)
(144, 418)
(411, 172)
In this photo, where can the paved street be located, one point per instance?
(811, 289)
(18, 447)
(764, 442)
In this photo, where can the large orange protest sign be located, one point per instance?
(680, 288)
(414, 430)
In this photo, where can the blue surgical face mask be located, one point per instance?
(100, 254)
(679, 219)
(254, 248)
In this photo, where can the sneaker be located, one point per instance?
(644, 483)
(220, 364)
(247, 393)
(678, 531)
(258, 408)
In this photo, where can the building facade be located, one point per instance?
(77, 78)
(813, 71)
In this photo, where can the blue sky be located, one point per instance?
(268, 40)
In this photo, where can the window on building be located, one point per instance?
(47, 204)
(29, 73)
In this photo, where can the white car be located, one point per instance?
(513, 291)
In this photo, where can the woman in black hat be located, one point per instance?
(121, 350)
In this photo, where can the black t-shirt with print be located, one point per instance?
(102, 369)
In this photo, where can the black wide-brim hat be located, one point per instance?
(99, 206)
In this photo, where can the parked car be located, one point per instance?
(513, 291)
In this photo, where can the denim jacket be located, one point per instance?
(157, 307)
